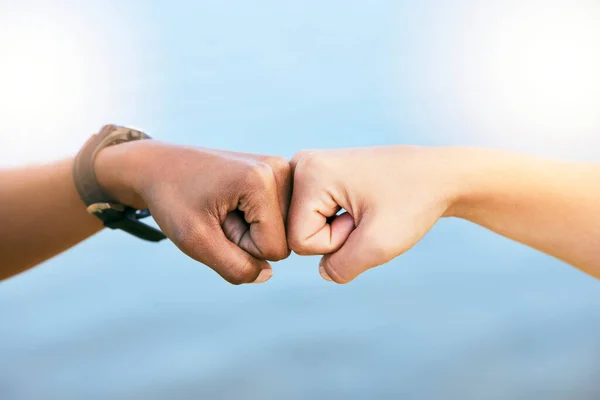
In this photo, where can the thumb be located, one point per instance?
(208, 244)
(203, 239)
(368, 246)
(234, 264)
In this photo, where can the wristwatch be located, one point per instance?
(113, 214)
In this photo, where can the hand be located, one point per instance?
(392, 197)
(224, 209)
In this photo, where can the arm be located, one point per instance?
(395, 194)
(551, 206)
(223, 209)
(41, 215)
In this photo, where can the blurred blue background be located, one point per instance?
(466, 314)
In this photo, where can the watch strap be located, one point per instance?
(83, 169)
(113, 214)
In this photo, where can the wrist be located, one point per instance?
(464, 168)
(482, 178)
(119, 170)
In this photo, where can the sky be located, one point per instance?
(465, 314)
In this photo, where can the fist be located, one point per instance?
(390, 197)
(224, 209)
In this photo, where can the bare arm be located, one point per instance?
(395, 194)
(41, 215)
(226, 210)
(551, 206)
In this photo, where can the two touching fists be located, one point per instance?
(235, 211)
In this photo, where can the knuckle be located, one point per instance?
(298, 245)
(235, 280)
(304, 252)
(303, 248)
(337, 272)
(244, 274)
(260, 173)
(311, 163)
(300, 155)
(283, 253)
(278, 164)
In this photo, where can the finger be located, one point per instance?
(308, 229)
(261, 208)
(207, 243)
(283, 177)
(237, 230)
(283, 180)
(298, 156)
(364, 249)
(325, 238)
(281, 173)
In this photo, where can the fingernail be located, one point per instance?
(264, 275)
(324, 274)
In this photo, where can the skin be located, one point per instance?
(41, 216)
(394, 195)
(226, 210)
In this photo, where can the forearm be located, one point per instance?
(548, 205)
(41, 215)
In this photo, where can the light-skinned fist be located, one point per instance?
(391, 196)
